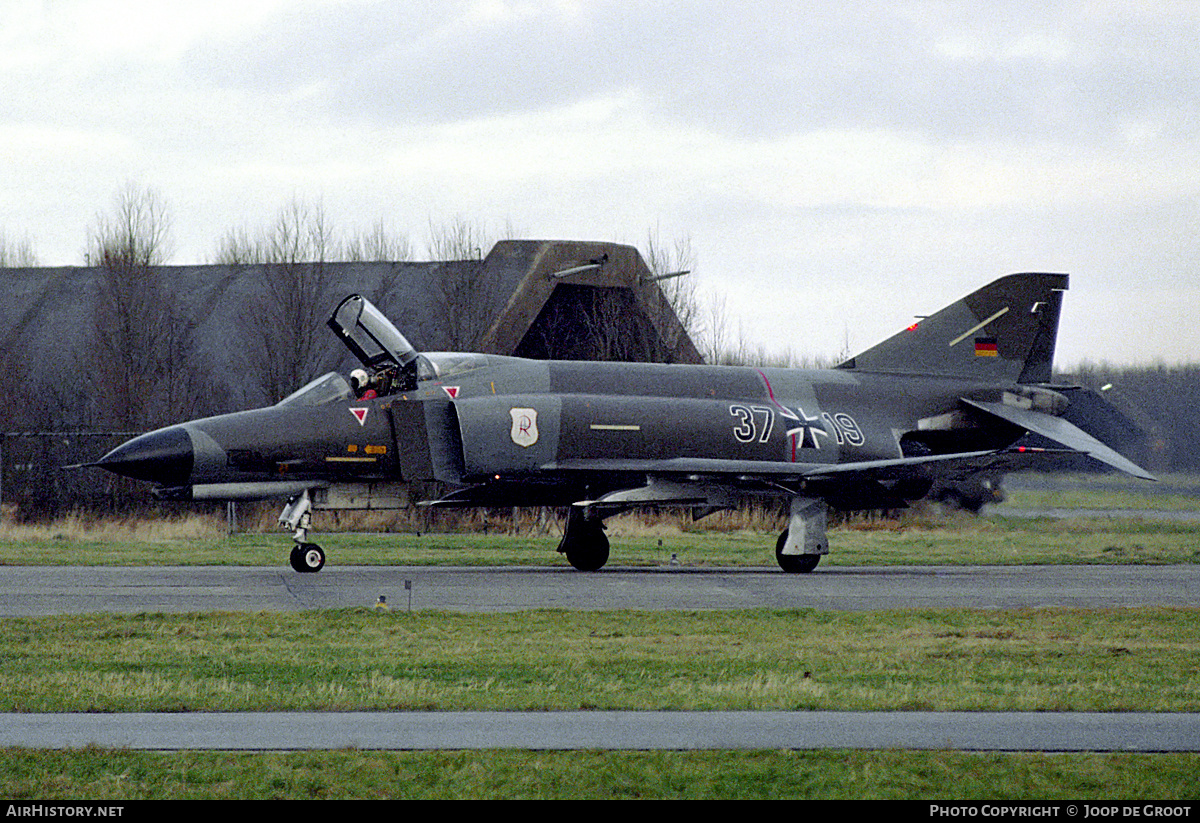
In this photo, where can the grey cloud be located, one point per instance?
(755, 68)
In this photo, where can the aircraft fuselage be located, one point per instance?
(565, 426)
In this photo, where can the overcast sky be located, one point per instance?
(837, 167)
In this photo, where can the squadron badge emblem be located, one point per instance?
(524, 426)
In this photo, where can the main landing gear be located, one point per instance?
(297, 515)
(794, 563)
(798, 550)
(584, 542)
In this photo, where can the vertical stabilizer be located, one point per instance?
(1005, 331)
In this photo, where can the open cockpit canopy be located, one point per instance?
(370, 335)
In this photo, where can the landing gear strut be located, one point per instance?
(297, 515)
(584, 542)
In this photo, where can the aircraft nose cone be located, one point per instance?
(164, 456)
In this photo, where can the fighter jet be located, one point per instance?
(947, 398)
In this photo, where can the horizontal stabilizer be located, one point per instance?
(1063, 433)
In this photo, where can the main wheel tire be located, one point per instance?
(794, 563)
(307, 558)
(589, 551)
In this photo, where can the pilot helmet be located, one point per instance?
(358, 379)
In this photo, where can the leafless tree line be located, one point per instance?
(288, 341)
(141, 366)
(16, 253)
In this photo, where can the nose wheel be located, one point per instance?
(307, 557)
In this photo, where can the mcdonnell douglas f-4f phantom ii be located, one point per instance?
(945, 399)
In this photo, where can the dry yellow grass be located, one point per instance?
(77, 526)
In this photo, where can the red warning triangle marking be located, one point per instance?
(360, 413)
(451, 390)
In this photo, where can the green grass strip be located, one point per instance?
(1143, 659)
(956, 541)
(97, 774)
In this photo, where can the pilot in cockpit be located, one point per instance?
(361, 383)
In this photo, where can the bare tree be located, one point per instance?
(237, 248)
(139, 359)
(136, 234)
(283, 324)
(16, 254)
(671, 267)
(457, 240)
(614, 323)
(465, 297)
(377, 246)
(14, 380)
(718, 348)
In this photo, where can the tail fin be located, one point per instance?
(1005, 331)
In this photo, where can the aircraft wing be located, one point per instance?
(783, 471)
(696, 481)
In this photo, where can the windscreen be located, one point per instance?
(325, 389)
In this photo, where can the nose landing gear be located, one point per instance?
(297, 515)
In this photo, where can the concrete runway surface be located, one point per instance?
(33, 591)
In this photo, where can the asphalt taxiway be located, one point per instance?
(47, 590)
(624, 730)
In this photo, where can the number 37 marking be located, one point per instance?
(752, 423)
